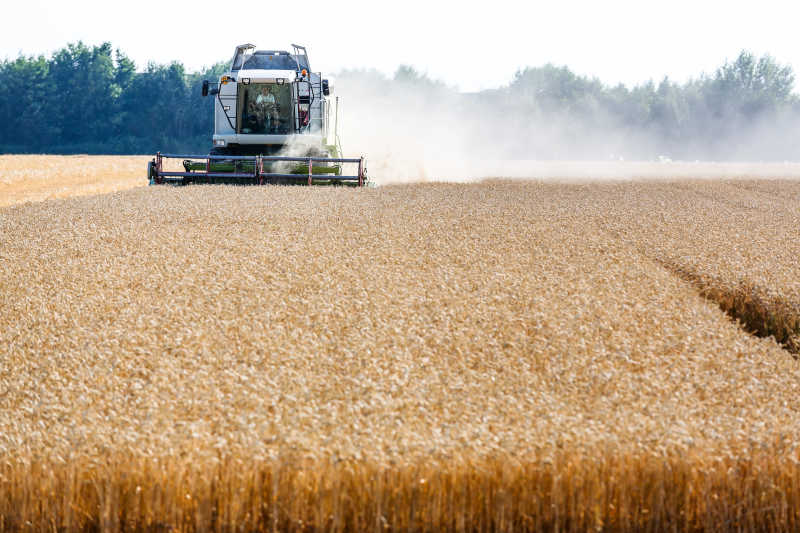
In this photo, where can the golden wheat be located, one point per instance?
(29, 178)
(506, 356)
(739, 241)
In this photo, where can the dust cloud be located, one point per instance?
(414, 129)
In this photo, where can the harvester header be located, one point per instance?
(273, 123)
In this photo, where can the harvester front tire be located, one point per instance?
(151, 172)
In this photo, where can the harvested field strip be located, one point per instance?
(226, 357)
(32, 178)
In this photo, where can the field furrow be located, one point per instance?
(737, 241)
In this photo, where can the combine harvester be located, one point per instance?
(272, 124)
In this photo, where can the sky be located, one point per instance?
(468, 45)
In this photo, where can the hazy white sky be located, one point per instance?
(470, 45)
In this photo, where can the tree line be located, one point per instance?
(92, 99)
(745, 110)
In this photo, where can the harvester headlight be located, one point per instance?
(219, 142)
(246, 81)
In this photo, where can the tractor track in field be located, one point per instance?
(760, 309)
(757, 314)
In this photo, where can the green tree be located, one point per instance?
(749, 86)
(24, 103)
(83, 92)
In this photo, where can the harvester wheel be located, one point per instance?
(151, 172)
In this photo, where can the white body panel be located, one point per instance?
(264, 76)
(311, 139)
(226, 98)
(227, 128)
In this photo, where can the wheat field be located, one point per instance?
(33, 178)
(738, 241)
(495, 356)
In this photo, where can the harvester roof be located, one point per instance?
(270, 60)
(247, 58)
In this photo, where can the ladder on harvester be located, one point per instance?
(314, 93)
(231, 99)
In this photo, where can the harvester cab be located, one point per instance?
(273, 123)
